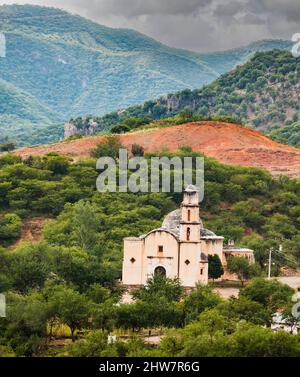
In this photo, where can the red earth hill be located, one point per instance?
(228, 143)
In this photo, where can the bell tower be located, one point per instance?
(190, 217)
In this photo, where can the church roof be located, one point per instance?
(160, 230)
(237, 249)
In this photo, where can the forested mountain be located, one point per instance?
(263, 93)
(59, 65)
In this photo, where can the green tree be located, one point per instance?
(255, 341)
(72, 308)
(137, 150)
(108, 148)
(172, 343)
(132, 316)
(97, 293)
(215, 268)
(9, 159)
(94, 345)
(57, 164)
(202, 297)
(7, 147)
(120, 129)
(29, 267)
(160, 286)
(27, 318)
(85, 225)
(10, 227)
(270, 293)
(239, 266)
(104, 316)
(242, 308)
(135, 122)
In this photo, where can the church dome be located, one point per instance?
(191, 188)
(172, 222)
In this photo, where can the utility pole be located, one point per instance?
(270, 259)
(270, 262)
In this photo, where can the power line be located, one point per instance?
(287, 258)
(283, 255)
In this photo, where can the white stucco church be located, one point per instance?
(180, 248)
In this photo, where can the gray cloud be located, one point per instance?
(288, 9)
(134, 8)
(281, 17)
(252, 19)
(202, 25)
(229, 9)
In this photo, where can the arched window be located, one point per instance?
(189, 215)
(188, 234)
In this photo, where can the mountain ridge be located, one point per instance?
(77, 67)
(262, 93)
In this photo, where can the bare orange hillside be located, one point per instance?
(228, 143)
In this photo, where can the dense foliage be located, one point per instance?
(201, 324)
(289, 134)
(66, 282)
(243, 204)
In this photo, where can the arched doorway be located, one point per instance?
(161, 271)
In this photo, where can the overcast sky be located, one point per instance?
(200, 25)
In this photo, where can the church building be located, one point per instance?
(179, 248)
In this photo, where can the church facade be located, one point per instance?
(180, 248)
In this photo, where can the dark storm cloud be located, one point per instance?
(203, 25)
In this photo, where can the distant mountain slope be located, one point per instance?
(263, 93)
(229, 143)
(72, 66)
